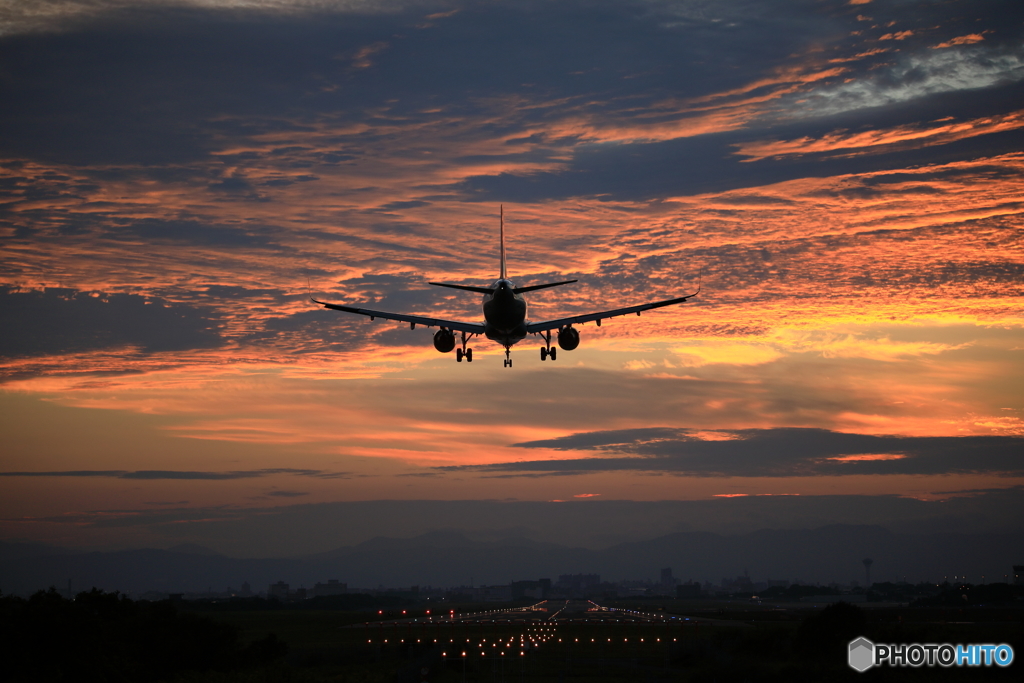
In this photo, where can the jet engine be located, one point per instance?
(568, 338)
(444, 340)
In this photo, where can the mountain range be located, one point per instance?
(450, 558)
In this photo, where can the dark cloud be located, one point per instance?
(168, 86)
(774, 453)
(179, 474)
(67, 473)
(63, 320)
(193, 232)
(710, 163)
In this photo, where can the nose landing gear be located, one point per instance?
(508, 356)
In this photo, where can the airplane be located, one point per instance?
(505, 316)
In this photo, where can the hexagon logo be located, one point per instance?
(862, 654)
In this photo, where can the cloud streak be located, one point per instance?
(183, 475)
(774, 453)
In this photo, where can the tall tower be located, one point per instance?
(867, 572)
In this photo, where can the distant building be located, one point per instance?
(666, 577)
(278, 591)
(741, 584)
(538, 589)
(246, 590)
(496, 593)
(577, 585)
(332, 587)
(689, 590)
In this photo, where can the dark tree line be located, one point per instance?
(107, 637)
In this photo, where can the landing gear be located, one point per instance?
(546, 351)
(508, 356)
(464, 352)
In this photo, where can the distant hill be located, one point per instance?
(830, 553)
(193, 549)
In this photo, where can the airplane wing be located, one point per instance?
(475, 328)
(598, 317)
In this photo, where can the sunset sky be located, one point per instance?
(848, 173)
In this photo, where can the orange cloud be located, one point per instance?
(968, 39)
(887, 140)
(868, 456)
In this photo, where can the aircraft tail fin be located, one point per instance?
(501, 219)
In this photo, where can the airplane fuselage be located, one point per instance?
(504, 314)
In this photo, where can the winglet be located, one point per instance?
(501, 219)
(309, 291)
(700, 277)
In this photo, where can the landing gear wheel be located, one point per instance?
(469, 355)
(543, 353)
(458, 355)
(551, 353)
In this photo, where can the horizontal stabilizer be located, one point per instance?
(531, 288)
(468, 288)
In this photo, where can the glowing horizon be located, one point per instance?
(849, 184)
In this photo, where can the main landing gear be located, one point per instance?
(546, 351)
(464, 352)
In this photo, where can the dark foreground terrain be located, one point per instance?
(105, 637)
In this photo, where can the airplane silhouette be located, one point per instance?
(505, 316)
